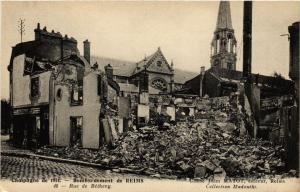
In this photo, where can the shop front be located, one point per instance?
(31, 126)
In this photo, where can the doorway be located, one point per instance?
(76, 131)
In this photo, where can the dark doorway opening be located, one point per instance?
(76, 131)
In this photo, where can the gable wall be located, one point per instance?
(164, 68)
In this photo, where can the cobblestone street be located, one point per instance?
(19, 167)
(34, 168)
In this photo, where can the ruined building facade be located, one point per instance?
(55, 93)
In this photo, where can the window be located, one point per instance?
(34, 89)
(102, 88)
(229, 66)
(38, 123)
(99, 84)
(76, 131)
(59, 94)
(77, 95)
(229, 46)
(218, 46)
(216, 62)
(158, 63)
(159, 84)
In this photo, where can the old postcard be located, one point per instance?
(149, 96)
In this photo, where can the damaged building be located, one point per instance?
(61, 98)
(55, 93)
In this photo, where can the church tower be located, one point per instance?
(223, 45)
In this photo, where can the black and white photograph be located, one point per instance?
(149, 96)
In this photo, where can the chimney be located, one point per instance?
(202, 70)
(109, 71)
(37, 32)
(201, 77)
(86, 50)
(95, 66)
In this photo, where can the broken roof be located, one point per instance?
(40, 50)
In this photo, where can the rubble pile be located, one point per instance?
(214, 145)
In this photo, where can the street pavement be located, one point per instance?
(7, 147)
(18, 167)
(25, 168)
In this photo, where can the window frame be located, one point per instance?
(79, 89)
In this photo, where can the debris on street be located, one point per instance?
(210, 146)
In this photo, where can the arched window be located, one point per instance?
(229, 47)
(59, 94)
(224, 45)
(160, 84)
(218, 43)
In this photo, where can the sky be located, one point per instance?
(132, 30)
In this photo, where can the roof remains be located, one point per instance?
(224, 16)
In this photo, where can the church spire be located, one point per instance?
(224, 16)
(223, 45)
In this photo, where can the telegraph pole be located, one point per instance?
(21, 27)
(247, 41)
(247, 56)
